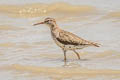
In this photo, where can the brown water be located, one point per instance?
(29, 53)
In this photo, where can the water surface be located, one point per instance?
(29, 53)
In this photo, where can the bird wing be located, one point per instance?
(68, 38)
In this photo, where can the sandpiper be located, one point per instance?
(66, 40)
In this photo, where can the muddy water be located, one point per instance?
(29, 53)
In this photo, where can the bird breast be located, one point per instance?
(55, 34)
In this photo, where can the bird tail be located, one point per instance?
(95, 44)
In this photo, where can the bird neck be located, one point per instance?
(53, 26)
(55, 31)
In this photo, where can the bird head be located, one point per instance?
(49, 21)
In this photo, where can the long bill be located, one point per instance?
(38, 23)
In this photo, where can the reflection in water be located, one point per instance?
(74, 63)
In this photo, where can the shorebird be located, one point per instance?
(66, 40)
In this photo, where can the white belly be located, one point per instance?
(58, 43)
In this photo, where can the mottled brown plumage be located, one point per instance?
(66, 40)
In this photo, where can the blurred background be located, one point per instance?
(28, 52)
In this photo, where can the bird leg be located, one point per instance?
(64, 55)
(77, 54)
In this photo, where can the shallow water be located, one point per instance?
(29, 53)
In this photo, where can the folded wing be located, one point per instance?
(68, 38)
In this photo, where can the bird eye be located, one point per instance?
(47, 21)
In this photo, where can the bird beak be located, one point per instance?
(38, 23)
